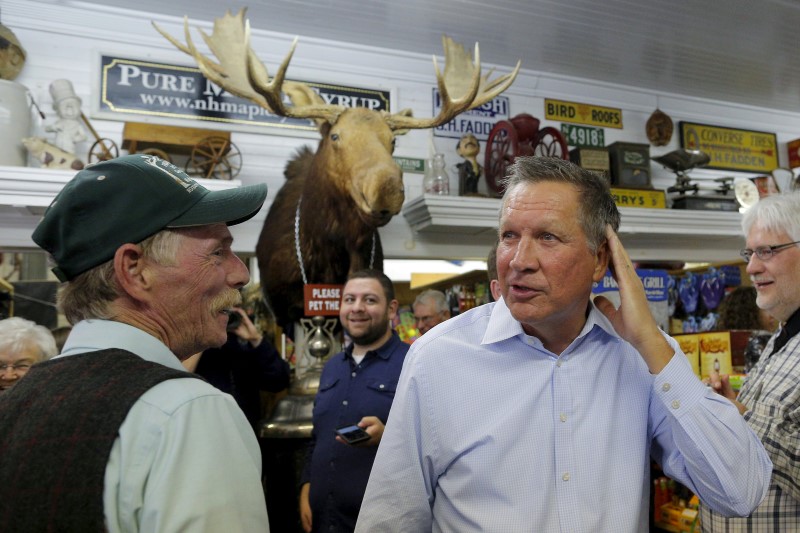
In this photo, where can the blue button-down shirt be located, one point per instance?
(490, 431)
(338, 472)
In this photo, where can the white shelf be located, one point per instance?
(648, 234)
(26, 192)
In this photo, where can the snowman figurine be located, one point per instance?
(68, 127)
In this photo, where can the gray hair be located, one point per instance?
(17, 334)
(776, 212)
(90, 294)
(597, 204)
(434, 297)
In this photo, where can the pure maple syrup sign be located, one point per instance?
(322, 299)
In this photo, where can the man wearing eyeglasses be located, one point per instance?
(770, 396)
(430, 308)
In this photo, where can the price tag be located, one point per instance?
(583, 136)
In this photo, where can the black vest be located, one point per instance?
(57, 427)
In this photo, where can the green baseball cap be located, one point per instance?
(127, 199)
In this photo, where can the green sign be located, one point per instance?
(583, 136)
(410, 164)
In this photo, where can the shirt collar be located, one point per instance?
(502, 325)
(787, 331)
(93, 335)
(792, 326)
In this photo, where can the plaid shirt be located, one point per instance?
(772, 396)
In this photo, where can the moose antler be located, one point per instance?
(461, 87)
(240, 72)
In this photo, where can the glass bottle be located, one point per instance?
(436, 179)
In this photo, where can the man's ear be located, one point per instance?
(129, 269)
(393, 306)
(602, 258)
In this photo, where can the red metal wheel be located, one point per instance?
(551, 143)
(502, 147)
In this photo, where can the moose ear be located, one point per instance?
(402, 112)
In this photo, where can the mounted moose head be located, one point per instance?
(323, 222)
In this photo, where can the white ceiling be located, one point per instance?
(743, 51)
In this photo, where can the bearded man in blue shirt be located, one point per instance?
(357, 387)
(542, 411)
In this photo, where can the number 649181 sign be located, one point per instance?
(583, 136)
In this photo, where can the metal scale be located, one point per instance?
(687, 195)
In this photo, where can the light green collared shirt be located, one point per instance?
(186, 458)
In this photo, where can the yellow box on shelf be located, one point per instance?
(639, 198)
(715, 353)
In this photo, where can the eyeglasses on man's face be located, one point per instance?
(764, 253)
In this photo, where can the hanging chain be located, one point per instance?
(372, 253)
(300, 254)
(297, 241)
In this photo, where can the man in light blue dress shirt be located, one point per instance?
(542, 411)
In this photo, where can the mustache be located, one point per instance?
(227, 300)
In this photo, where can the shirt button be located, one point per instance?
(565, 477)
(558, 363)
(665, 387)
(353, 374)
(676, 404)
(563, 417)
(344, 402)
(381, 386)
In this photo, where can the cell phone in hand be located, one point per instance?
(353, 434)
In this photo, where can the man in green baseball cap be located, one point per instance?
(123, 438)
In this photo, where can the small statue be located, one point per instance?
(469, 171)
(68, 127)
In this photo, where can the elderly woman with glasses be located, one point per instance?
(22, 344)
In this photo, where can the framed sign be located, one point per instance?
(593, 115)
(136, 89)
(583, 136)
(732, 149)
(322, 299)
